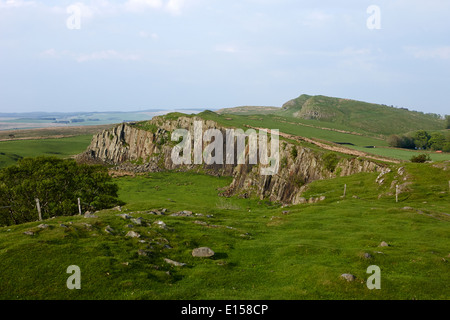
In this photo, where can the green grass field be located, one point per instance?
(262, 251)
(11, 151)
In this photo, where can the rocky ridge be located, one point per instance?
(129, 147)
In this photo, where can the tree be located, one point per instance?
(57, 183)
(447, 118)
(437, 141)
(394, 141)
(446, 147)
(421, 139)
(397, 141)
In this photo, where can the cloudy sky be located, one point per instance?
(106, 55)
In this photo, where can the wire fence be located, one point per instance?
(38, 207)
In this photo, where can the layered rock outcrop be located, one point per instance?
(148, 147)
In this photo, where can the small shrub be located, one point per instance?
(421, 158)
(294, 152)
(283, 162)
(330, 161)
(298, 181)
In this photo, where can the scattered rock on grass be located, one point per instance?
(133, 234)
(347, 276)
(184, 213)
(137, 221)
(89, 215)
(161, 224)
(203, 252)
(174, 263)
(109, 230)
(142, 252)
(43, 226)
(29, 233)
(384, 244)
(87, 225)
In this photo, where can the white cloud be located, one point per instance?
(87, 9)
(316, 19)
(50, 53)
(107, 55)
(16, 4)
(93, 56)
(93, 8)
(144, 34)
(441, 53)
(139, 5)
(175, 6)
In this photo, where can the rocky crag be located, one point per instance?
(147, 147)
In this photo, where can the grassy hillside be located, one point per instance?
(262, 251)
(248, 110)
(313, 129)
(349, 115)
(365, 116)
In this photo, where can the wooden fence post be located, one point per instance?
(38, 209)
(79, 206)
(345, 190)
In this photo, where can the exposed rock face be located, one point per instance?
(132, 149)
(295, 173)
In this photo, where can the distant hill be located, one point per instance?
(359, 115)
(247, 110)
(369, 117)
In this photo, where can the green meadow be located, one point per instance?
(262, 251)
(11, 151)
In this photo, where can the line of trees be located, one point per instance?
(57, 183)
(421, 140)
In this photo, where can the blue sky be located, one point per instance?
(144, 54)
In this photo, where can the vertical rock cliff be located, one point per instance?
(147, 147)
